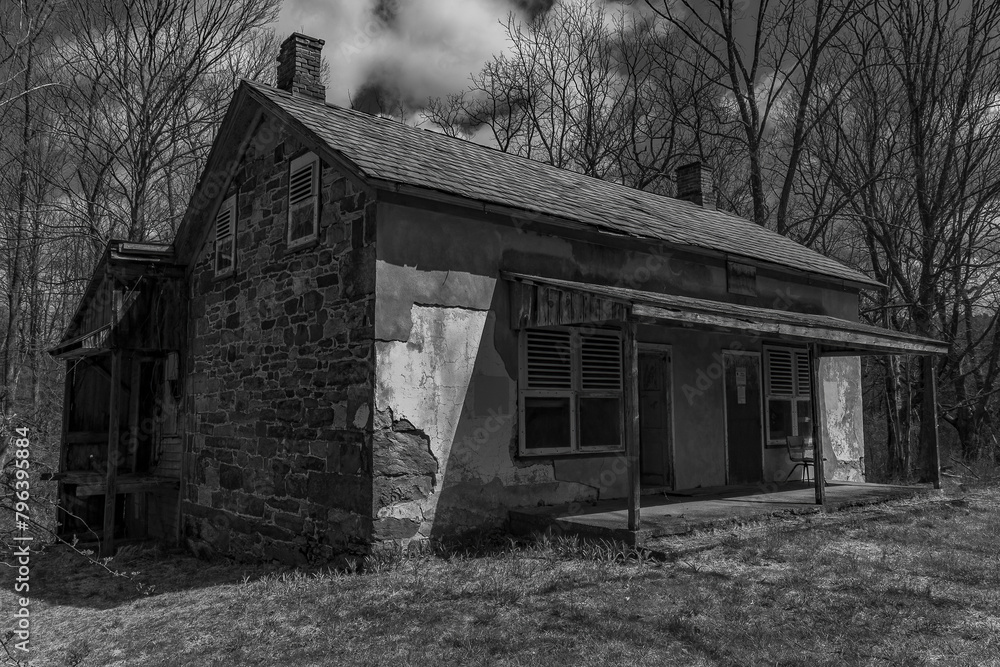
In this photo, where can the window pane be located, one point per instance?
(224, 253)
(803, 414)
(779, 418)
(302, 222)
(600, 422)
(546, 422)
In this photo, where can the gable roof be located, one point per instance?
(381, 149)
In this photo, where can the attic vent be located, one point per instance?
(301, 185)
(225, 238)
(548, 359)
(303, 200)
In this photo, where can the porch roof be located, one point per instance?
(103, 305)
(538, 301)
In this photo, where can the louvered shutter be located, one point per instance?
(780, 373)
(601, 361)
(303, 200)
(803, 377)
(225, 237)
(548, 360)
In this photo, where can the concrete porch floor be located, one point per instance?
(698, 509)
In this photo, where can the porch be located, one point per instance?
(677, 513)
(759, 416)
(121, 444)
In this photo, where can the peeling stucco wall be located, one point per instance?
(446, 363)
(843, 411)
(423, 382)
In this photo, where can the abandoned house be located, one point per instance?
(366, 333)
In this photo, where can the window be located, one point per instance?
(789, 394)
(225, 238)
(303, 200)
(571, 391)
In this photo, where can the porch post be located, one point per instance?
(632, 424)
(819, 474)
(111, 483)
(111, 480)
(929, 428)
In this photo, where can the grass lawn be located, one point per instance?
(909, 583)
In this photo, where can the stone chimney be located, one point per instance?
(299, 64)
(694, 184)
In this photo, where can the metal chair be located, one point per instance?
(800, 454)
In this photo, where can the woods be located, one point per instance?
(866, 129)
(107, 111)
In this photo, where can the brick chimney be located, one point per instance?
(694, 184)
(299, 64)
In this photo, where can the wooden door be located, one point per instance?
(744, 439)
(654, 416)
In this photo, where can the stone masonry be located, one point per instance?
(280, 383)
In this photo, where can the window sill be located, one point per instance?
(563, 454)
(218, 278)
(300, 246)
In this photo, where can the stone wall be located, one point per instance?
(279, 400)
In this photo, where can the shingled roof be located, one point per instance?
(380, 148)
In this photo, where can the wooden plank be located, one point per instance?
(137, 486)
(818, 468)
(868, 341)
(85, 437)
(67, 403)
(553, 306)
(516, 305)
(632, 424)
(929, 419)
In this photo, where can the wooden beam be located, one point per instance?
(114, 399)
(133, 411)
(774, 324)
(136, 486)
(108, 544)
(68, 392)
(817, 419)
(929, 419)
(106, 373)
(85, 437)
(632, 424)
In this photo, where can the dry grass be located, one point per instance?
(906, 584)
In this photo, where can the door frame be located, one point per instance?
(669, 456)
(725, 406)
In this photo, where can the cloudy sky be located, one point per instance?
(421, 48)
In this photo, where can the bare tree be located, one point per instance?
(776, 62)
(587, 89)
(148, 82)
(22, 30)
(912, 151)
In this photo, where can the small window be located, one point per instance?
(789, 395)
(571, 391)
(303, 200)
(225, 238)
